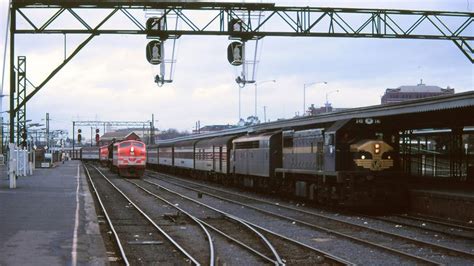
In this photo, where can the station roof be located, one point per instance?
(457, 107)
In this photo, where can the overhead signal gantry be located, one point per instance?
(235, 20)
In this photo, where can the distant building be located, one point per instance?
(312, 110)
(212, 128)
(407, 93)
(108, 137)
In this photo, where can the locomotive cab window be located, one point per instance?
(125, 144)
(138, 144)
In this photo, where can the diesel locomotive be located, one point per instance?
(352, 162)
(127, 157)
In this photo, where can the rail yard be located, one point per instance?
(371, 168)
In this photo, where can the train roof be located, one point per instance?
(215, 141)
(264, 136)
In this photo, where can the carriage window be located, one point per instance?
(329, 140)
(124, 145)
(247, 145)
(287, 142)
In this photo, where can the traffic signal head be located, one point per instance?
(23, 135)
(97, 138)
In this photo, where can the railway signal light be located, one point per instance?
(79, 137)
(235, 53)
(97, 136)
(23, 138)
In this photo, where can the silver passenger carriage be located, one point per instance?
(212, 155)
(257, 155)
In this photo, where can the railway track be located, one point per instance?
(229, 227)
(139, 239)
(291, 251)
(234, 230)
(435, 227)
(422, 251)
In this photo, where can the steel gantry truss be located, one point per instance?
(97, 124)
(215, 18)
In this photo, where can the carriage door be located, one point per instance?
(330, 152)
(213, 157)
(220, 158)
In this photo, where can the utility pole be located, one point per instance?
(152, 127)
(47, 130)
(264, 114)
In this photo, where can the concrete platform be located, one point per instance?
(49, 219)
(452, 204)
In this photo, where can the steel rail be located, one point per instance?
(426, 219)
(407, 224)
(109, 221)
(326, 255)
(314, 226)
(461, 252)
(207, 224)
(175, 244)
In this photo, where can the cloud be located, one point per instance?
(110, 78)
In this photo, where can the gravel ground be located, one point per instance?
(349, 250)
(132, 229)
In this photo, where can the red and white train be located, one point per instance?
(127, 157)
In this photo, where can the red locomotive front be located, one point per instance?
(129, 158)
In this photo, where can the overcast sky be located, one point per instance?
(110, 78)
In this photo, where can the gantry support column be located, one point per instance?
(20, 96)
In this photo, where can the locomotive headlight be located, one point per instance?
(362, 157)
(377, 146)
(377, 151)
(389, 157)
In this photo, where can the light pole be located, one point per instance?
(1, 114)
(306, 85)
(256, 85)
(327, 102)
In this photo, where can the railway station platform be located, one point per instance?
(450, 204)
(49, 219)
